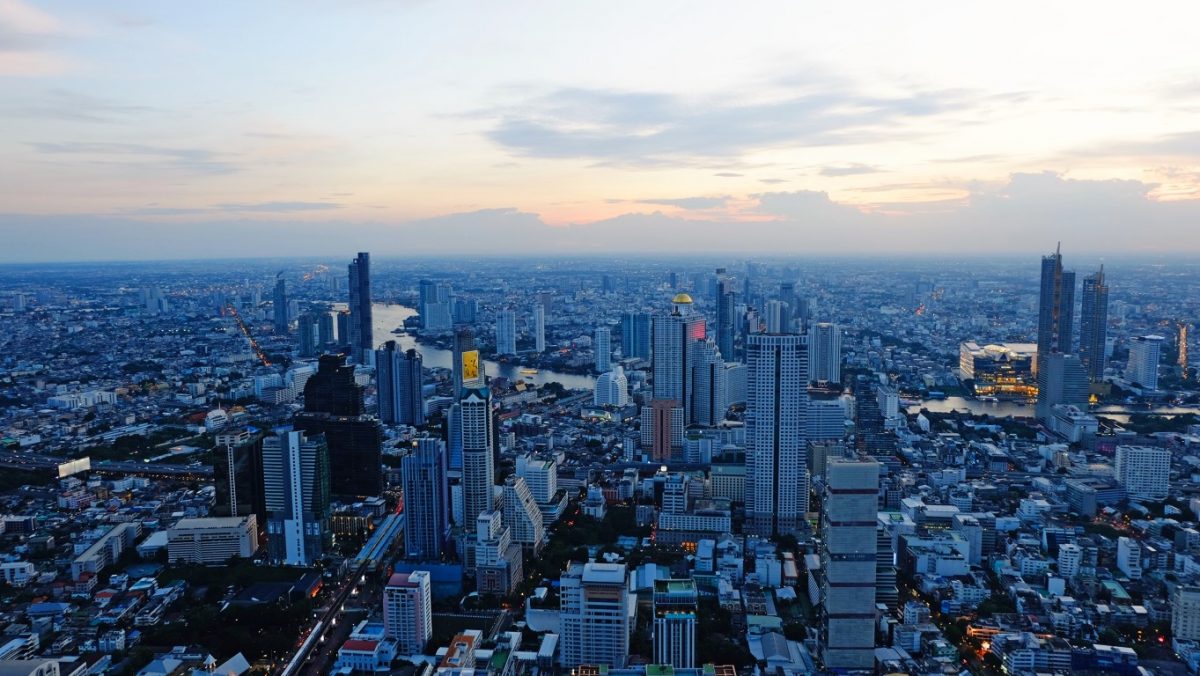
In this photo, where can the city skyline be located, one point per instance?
(623, 339)
(441, 129)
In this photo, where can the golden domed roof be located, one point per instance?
(682, 298)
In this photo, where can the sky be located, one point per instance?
(142, 130)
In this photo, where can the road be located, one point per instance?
(34, 461)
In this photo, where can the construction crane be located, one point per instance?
(262, 356)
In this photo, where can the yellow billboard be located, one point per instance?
(470, 366)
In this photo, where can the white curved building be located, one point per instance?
(612, 389)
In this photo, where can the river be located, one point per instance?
(1002, 409)
(385, 317)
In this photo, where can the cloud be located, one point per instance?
(685, 202)
(197, 160)
(772, 181)
(853, 169)
(27, 38)
(652, 129)
(728, 174)
(234, 207)
(1183, 144)
(62, 104)
(1025, 215)
(278, 206)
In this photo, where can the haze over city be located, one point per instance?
(142, 130)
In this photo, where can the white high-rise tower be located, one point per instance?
(776, 431)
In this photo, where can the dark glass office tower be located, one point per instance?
(361, 340)
(401, 401)
(333, 406)
(1093, 325)
(325, 330)
(1056, 308)
(343, 328)
(306, 330)
(725, 317)
(238, 475)
(332, 388)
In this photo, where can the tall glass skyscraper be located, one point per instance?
(401, 379)
(426, 500)
(673, 336)
(635, 335)
(1056, 308)
(1093, 325)
(361, 339)
(725, 315)
(1058, 370)
(539, 328)
(776, 429)
(709, 391)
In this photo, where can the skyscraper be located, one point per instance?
(602, 346)
(498, 562)
(1144, 355)
(506, 332)
(479, 469)
(775, 314)
(342, 321)
(401, 379)
(426, 500)
(238, 475)
(1061, 380)
(825, 348)
(333, 406)
(709, 400)
(594, 613)
(296, 492)
(635, 335)
(848, 522)
(1144, 472)
(1056, 369)
(306, 332)
(675, 618)
(662, 428)
(464, 341)
(725, 317)
(408, 611)
(776, 427)
(539, 328)
(1056, 308)
(1093, 326)
(522, 515)
(325, 330)
(279, 306)
(790, 313)
(332, 389)
(673, 335)
(361, 339)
